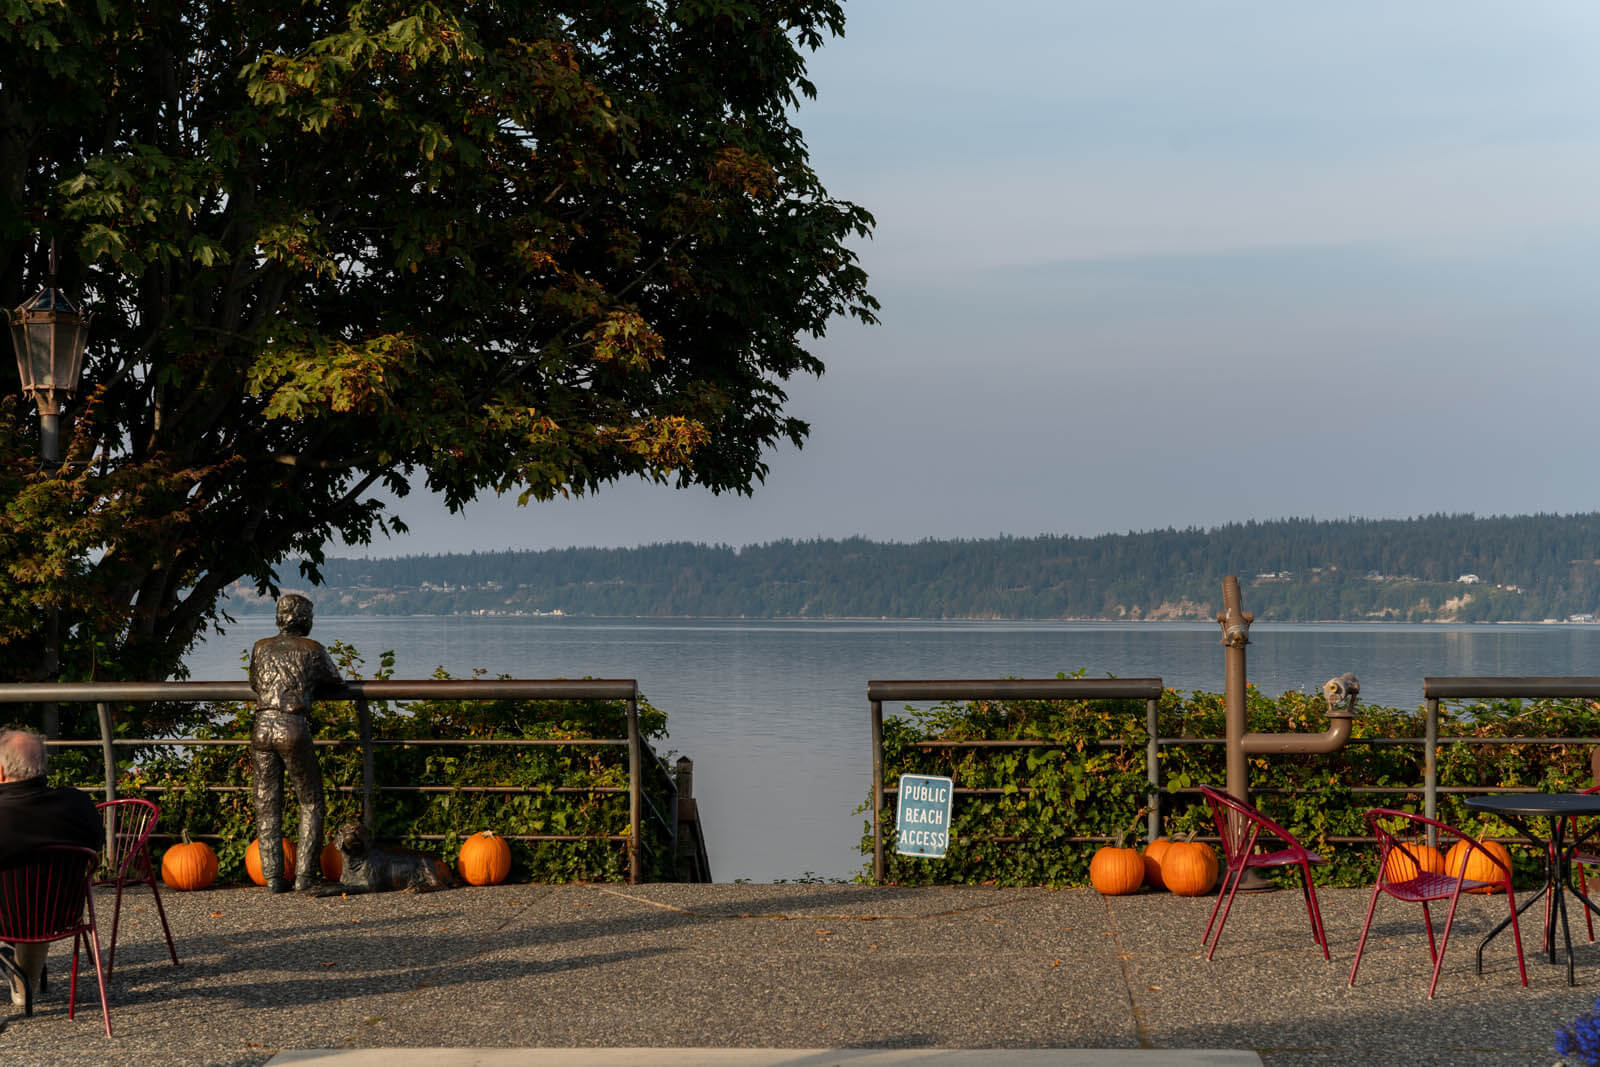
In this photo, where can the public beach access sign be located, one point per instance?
(922, 819)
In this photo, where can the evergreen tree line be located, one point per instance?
(1527, 568)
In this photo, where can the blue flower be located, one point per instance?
(1579, 1043)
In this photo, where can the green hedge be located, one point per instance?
(180, 780)
(1080, 790)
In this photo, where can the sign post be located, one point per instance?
(922, 817)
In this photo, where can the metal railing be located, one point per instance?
(1482, 688)
(1149, 690)
(1146, 689)
(106, 695)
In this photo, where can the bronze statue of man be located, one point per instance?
(286, 671)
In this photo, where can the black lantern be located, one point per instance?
(49, 334)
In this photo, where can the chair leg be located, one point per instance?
(1372, 906)
(99, 971)
(1444, 940)
(1583, 887)
(1516, 934)
(1310, 892)
(72, 987)
(165, 929)
(116, 918)
(1231, 889)
(1222, 891)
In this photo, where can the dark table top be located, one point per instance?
(1553, 805)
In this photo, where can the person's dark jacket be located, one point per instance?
(33, 814)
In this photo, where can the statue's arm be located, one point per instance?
(328, 676)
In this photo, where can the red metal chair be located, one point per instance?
(1240, 826)
(45, 897)
(1581, 860)
(1423, 886)
(126, 861)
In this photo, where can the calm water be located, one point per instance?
(775, 714)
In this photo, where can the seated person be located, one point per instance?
(34, 814)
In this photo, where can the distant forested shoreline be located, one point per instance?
(1438, 568)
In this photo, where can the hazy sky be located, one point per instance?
(1178, 264)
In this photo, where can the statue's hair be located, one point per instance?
(22, 755)
(294, 614)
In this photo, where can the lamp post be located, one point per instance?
(49, 334)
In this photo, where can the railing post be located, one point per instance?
(1152, 765)
(877, 791)
(635, 795)
(682, 789)
(108, 751)
(1430, 765)
(369, 774)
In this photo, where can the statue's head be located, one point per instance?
(294, 614)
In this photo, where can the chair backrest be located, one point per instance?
(42, 896)
(128, 827)
(1239, 825)
(1413, 834)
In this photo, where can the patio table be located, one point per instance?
(1522, 810)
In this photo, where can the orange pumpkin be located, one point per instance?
(1478, 868)
(1116, 871)
(1189, 868)
(485, 859)
(189, 865)
(252, 861)
(1400, 867)
(1153, 852)
(332, 861)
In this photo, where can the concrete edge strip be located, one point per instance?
(764, 1057)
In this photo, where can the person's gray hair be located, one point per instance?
(22, 755)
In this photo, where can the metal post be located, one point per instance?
(877, 791)
(635, 798)
(1235, 623)
(369, 775)
(1152, 769)
(1430, 766)
(50, 441)
(108, 750)
(683, 789)
(50, 713)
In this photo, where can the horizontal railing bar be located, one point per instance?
(1019, 689)
(1118, 742)
(1108, 742)
(199, 742)
(1395, 790)
(1213, 839)
(388, 689)
(500, 789)
(392, 789)
(1468, 687)
(158, 836)
(537, 837)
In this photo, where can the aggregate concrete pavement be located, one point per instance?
(797, 974)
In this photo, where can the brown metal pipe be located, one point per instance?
(1235, 623)
(1330, 740)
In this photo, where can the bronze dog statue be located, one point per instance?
(371, 869)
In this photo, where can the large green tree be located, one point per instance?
(340, 247)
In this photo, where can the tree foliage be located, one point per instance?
(1529, 568)
(341, 247)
